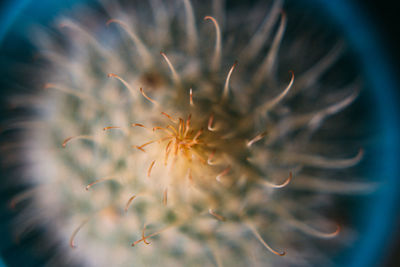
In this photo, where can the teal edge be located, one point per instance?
(382, 79)
(376, 65)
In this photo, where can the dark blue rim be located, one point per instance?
(363, 36)
(361, 33)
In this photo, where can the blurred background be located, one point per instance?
(382, 16)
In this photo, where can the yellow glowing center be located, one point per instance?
(180, 138)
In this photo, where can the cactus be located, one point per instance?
(186, 156)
